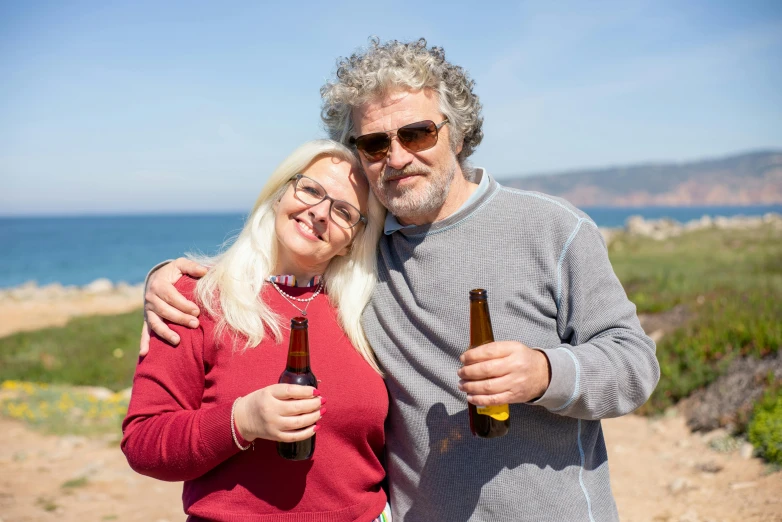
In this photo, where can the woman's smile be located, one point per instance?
(307, 230)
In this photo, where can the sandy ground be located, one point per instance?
(28, 314)
(660, 471)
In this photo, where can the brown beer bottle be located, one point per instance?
(297, 371)
(485, 421)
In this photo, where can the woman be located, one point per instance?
(308, 248)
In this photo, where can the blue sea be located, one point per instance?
(78, 250)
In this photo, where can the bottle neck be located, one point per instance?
(298, 351)
(480, 323)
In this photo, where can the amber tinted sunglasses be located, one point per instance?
(414, 137)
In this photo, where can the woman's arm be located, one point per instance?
(167, 434)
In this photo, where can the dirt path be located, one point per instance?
(43, 307)
(660, 472)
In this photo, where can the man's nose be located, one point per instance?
(398, 156)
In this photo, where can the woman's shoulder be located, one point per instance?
(186, 285)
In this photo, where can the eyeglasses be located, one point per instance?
(415, 137)
(310, 192)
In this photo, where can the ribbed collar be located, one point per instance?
(290, 280)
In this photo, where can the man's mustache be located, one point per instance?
(411, 170)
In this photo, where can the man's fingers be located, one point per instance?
(484, 370)
(191, 268)
(292, 391)
(169, 313)
(486, 352)
(166, 293)
(490, 400)
(161, 328)
(143, 347)
(485, 387)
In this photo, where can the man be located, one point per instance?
(570, 352)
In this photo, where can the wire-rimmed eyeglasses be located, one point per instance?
(310, 192)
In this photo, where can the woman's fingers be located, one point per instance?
(292, 408)
(284, 392)
(298, 422)
(281, 412)
(296, 436)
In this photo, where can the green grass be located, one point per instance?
(731, 283)
(658, 275)
(88, 351)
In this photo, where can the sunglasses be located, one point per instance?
(415, 137)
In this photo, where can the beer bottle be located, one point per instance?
(297, 371)
(485, 421)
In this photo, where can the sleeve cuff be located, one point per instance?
(155, 269)
(146, 280)
(215, 431)
(563, 388)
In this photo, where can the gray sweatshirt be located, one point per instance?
(550, 286)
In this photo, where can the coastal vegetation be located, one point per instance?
(715, 296)
(88, 351)
(728, 283)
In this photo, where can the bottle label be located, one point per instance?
(500, 413)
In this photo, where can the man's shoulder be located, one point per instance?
(553, 209)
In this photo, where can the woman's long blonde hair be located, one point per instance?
(231, 289)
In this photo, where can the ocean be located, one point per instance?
(78, 250)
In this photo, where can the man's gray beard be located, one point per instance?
(412, 203)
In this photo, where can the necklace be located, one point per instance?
(290, 298)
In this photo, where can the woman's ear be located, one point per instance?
(345, 250)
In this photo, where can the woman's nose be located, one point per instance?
(320, 211)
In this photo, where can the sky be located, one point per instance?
(187, 106)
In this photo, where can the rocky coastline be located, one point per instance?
(662, 229)
(31, 291)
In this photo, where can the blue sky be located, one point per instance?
(115, 107)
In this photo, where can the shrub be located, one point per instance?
(765, 427)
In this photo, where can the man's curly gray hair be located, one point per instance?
(406, 65)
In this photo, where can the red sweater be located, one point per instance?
(178, 424)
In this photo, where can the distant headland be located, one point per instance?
(753, 178)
